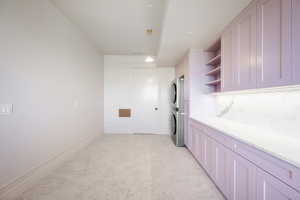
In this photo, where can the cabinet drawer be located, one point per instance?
(278, 168)
(270, 188)
(219, 137)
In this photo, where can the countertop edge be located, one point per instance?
(258, 147)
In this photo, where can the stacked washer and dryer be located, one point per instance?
(177, 111)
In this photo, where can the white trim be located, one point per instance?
(28, 180)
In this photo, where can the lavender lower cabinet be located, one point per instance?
(206, 152)
(221, 176)
(196, 143)
(198, 146)
(210, 157)
(233, 173)
(270, 188)
(189, 139)
(241, 174)
(193, 141)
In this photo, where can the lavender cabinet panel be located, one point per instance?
(274, 43)
(282, 170)
(196, 138)
(200, 149)
(189, 140)
(213, 158)
(193, 141)
(227, 77)
(296, 40)
(186, 137)
(241, 175)
(199, 145)
(221, 175)
(238, 171)
(270, 188)
(245, 49)
(208, 154)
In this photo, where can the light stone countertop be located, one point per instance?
(277, 144)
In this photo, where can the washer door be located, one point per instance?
(174, 93)
(173, 124)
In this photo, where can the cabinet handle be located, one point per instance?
(290, 174)
(235, 146)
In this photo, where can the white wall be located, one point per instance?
(119, 82)
(54, 79)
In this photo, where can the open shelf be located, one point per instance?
(214, 82)
(215, 60)
(214, 64)
(213, 72)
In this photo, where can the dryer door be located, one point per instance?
(174, 93)
(173, 124)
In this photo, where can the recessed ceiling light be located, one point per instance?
(149, 59)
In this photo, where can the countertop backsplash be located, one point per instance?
(275, 111)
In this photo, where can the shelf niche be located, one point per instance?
(213, 65)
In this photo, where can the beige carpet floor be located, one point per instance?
(127, 167)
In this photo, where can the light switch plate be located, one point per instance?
(75, 103)
(6, 109)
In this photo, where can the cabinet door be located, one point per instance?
(296, 40)
(221, 168)
(186, 132)
(210, 157)
(241, 175)
(199, 150)
(274, 43)
(189, 142)
(270, 188)
(206, 156)
(213, 158)
(245, 49)
(194, 141)
(227, 78)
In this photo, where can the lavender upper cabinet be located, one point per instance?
(296, 40)
(270, 188)
(245, 40)
(241, 175)
(227, 78)
(274, 43)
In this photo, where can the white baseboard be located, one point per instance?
(28, 180)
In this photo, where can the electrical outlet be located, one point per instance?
(6, 109)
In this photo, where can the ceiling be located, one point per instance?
(119, 26)
(194, 24)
